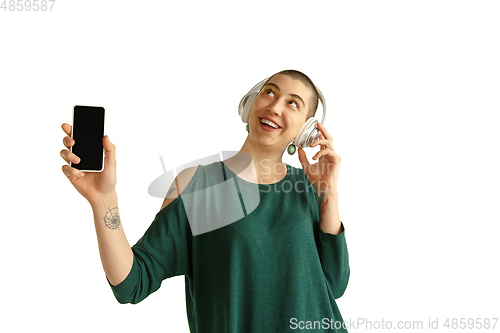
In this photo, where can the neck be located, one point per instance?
(267, 161)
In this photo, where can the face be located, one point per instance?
(284, 101)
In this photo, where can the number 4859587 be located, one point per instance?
(27, 5)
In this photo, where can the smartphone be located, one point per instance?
(88, 131)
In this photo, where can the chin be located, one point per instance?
(262, 138)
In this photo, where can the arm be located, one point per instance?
(99, 189)
(114, 249)
(163, 250)
(333, 247)
(329, 211)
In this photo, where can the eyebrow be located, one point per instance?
(293, 95)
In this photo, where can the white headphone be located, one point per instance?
(308, 132)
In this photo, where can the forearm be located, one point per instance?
(116, 255)
(329, 211)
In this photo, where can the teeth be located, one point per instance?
(270, 123)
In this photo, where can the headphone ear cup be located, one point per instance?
(247, 101)
(241, 108)
(307, 134)
(247, 106)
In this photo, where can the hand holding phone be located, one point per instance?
(94, 185)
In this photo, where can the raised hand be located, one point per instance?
(93, 186)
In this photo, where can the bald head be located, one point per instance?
(313, 102)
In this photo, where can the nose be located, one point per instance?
(275, 107)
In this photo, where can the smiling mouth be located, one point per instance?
(269, 123)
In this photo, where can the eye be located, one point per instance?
(270, 92)
(296, 104)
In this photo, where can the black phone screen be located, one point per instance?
(88, 131)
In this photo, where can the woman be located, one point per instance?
(271, 262)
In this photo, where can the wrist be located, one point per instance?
(332, 190)
(105, 201)
(328, 191)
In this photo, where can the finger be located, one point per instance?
(322, 142)
(323, 138)
(68, 142)
(69, 156)
(332, 157)
(329, 139)
(71, 173)
(303, 158)
(109, 149)
(322, 152)
(66, 128)
(324, 132)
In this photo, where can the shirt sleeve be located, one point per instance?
(332, 250)
(334, 260)
(162, 252)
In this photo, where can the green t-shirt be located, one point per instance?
(268, 268)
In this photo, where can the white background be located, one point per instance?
(412, 91)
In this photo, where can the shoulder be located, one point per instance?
(179, 184)
(185, 176)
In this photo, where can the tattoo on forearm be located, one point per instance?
(112, 219)
(323, 204)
